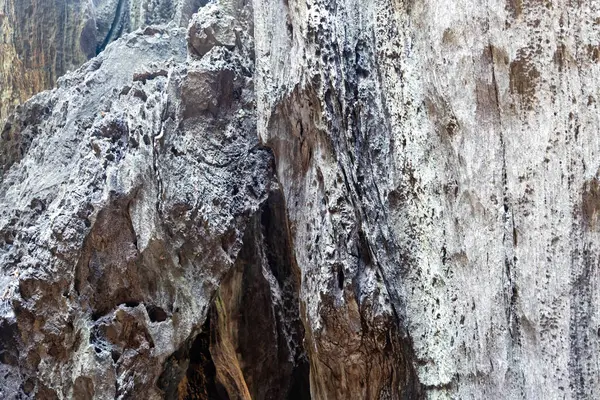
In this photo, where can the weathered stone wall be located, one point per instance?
(322, 199)
(439, 162)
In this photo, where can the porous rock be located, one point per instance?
(319, 199)
(126, 199)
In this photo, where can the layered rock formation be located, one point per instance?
(320, 199)
(41, 40)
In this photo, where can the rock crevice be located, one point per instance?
(299, 199)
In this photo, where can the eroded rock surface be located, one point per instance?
(439, 163)
(40, 40)
(309, 199)
(128, 194)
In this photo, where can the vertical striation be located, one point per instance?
(43, 39)
(328, 199)
(439, 163)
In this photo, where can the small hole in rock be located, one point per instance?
(340, 276)
(115, 355)
(156, 314)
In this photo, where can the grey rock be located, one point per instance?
(318, 199)
(41, 40)
(214, 27)
(125, 197)
(439, 165)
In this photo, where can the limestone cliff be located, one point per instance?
(327, 199)
(40, 40)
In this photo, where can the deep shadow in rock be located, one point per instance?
(200, 381)
(251, 345)
(190, 373)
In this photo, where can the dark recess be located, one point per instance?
(197, 381)
(156, 314)
(115, 29)
(201, 373)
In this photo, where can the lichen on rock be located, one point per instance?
(299, 199)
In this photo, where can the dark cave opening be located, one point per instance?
(200, 380)
(156, 314)
(340, 277)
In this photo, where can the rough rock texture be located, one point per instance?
(392, 199)
(40, 40)
(440, 167)
(128, 194)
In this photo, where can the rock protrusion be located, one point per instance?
(212, 27)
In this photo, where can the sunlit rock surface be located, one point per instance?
(308, 199)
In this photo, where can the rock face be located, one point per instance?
(40, 40)
(309, 199)
(439, 165)
(133, 197)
